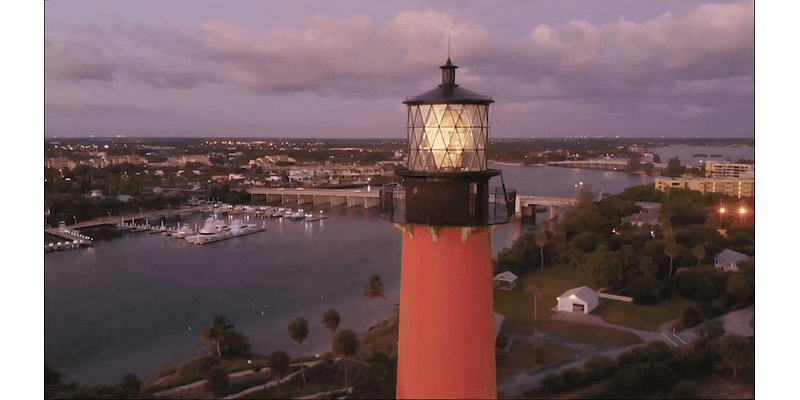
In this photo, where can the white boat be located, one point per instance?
(298, 215)
(237, 228)
(211, 231)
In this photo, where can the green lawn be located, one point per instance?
(646, 318)
(518, 303)
(517, 307)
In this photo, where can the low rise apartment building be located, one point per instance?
(59, 163)
(739, 187)
(716, 169)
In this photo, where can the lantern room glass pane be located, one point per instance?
(447, 137)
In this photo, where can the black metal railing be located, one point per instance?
(501, 205)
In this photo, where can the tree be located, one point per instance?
(278, 363)
(712, 330)
(599, 367)
(672, 250)
(298, 331)
(699, 252)
(541, 240)
(131, 383)
(346, 345)
(374, 290)
(691, 317)
(536, 289)
(736, 352)
(740, 287)
(218, 333)
(674, 167)
(644, 289)
(545, 224)
(218, 382)
(331, 321)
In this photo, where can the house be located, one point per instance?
(582, 299)
(642, 218)
(505, 281)
(727, 260)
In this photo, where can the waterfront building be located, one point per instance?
(446, 346)
(739, 187)
(59, 163)
(716, 169)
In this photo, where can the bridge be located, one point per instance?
(367, 198)
(605, 165)
(370, 197)
(526, 205)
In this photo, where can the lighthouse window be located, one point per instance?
(447, 137)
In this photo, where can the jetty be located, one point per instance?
(65, 239)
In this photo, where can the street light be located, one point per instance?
(742, 211)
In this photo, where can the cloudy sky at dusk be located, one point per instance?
(342, 68)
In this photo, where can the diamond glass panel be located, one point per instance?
(447, 137)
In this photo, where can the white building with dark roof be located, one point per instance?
(728, 260)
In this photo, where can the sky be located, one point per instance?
(341, 69)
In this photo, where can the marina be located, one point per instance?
(123, 305)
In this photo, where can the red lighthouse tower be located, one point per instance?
(446, 210)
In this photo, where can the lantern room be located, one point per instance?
(448, 127)
(446, 182)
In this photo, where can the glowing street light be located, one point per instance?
(742, 211)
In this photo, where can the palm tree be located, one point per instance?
(672, 250)
(298, 331)
(345, 344)
(536, 289)
(218, 333)
(279, 366)
(736, 352)
(541, 240)
(331, 321)
(374, 291)
(699, 252)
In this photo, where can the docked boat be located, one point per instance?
(239, 227)
(236, 229)
(210, 232)
(298, 215)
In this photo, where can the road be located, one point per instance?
(737, 322)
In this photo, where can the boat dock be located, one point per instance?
(65, 239)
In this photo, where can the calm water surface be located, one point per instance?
(130, 304)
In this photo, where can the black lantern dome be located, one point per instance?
(446, 182)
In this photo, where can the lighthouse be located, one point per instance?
(446, 210)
